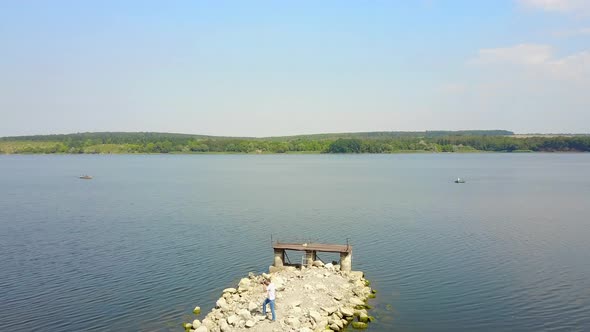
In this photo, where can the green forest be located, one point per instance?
(369, 142)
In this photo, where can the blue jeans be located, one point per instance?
(272, 307)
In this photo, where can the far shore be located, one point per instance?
(347, 143)
(289, 153)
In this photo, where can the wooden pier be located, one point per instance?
(311, 250)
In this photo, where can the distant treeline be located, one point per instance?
(372, 142)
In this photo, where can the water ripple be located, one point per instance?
(154, 236)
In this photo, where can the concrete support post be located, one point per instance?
(279, 257)
(311, 257)
(346, 261)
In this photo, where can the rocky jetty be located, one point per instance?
(318, 298)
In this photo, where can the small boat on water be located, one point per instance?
(86, 177)
(459, 180)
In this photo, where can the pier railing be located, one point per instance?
(311, 249)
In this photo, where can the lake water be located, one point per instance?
(150, 237)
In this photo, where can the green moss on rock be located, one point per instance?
(359, 325)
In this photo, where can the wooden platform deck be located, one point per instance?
(342, 248)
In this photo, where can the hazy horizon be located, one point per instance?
(301, 134)
(261, 69)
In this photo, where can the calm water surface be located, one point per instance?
(150, 237)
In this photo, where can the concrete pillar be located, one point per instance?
(279, 257)
(311, 257)
(346, 261)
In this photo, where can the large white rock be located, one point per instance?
(315, 316)
(245, 283)
(245, 314)
(219, 315)
(224, 326)
(250, 323)
(334, 327)
(318, 263)
(329, 310)
(207, 323)
(230, 290)
(196, 323)
(252, 306)
(221, 304)
(202, 328)
(233, 319)
(279, 283)
(355, 275)
(356, 301)
(347, 312)
(293, 322)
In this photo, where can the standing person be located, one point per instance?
(270, 298)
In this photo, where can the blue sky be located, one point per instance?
(262, 68)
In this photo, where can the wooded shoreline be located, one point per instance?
(372, 142)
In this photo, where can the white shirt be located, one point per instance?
(270, 291)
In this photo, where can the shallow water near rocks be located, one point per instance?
(151, 237)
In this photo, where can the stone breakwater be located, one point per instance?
(318, 298)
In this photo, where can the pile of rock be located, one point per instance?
(308, 299)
